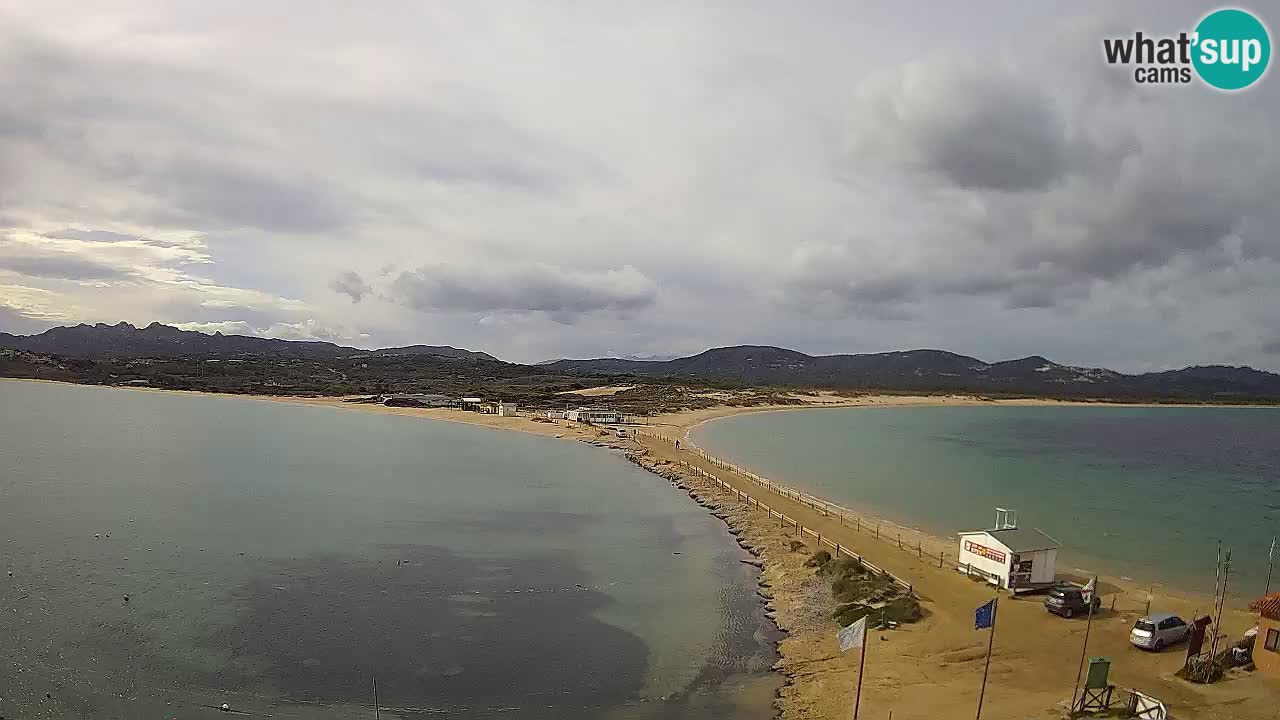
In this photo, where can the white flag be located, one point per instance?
(1086, 592)
(853, 636)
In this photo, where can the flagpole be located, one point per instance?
(991, 640)
(1085, 649)
(862, 663)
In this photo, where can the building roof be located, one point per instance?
(1268, 607)
(1021, 540)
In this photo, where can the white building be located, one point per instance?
(506, 409)
(594, 415)
(1017, 559)
(555, 414)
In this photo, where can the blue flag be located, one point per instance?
(984, 616)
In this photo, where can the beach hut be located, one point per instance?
(506, 409)
(1007, 556)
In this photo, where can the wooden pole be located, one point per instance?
(1271, 556)
(991, 641)
(376, 711)
(1217, 571)
(1083, 650)
(1217, 623)
(862, 663)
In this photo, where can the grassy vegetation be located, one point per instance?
(863, 593)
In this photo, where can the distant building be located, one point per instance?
(594, 415)
(506, 409)
(1009, 556)
(1266, 648)
(555, 414)
(471, 403)
(417, 400)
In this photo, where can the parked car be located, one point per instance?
(1067, 601)
(1158, 630)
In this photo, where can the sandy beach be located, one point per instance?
(927, 670)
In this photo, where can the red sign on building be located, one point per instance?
(984, 551)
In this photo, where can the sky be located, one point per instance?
(544, 179)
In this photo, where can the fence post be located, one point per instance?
(941, 555)
(877, 529)
(899, 541)
(841, 519)
(817, 544)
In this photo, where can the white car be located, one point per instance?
(1158, 630)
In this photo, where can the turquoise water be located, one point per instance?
(1144, 493)
(173, 552)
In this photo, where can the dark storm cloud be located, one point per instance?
(562, 294)
(352, 285)
(212, 194)
(61, 266)
(976, 127)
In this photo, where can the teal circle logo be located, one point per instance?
(1232, 49)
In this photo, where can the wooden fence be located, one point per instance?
(827, 509)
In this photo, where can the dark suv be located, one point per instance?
(1067, 601)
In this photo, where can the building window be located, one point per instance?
(1273, 639)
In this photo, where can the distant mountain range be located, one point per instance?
(744, 365)
(163, 341)
(937, 370)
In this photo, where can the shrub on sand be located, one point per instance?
(818, 559)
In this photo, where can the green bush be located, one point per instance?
(900, 610)
(841, 567)
(797, 545)
(905, 609)
(818, 559)
(846, 615)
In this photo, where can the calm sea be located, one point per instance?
(170, 553)
(1139, 492)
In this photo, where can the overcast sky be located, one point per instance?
(541, 179)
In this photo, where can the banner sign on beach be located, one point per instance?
(983, 551)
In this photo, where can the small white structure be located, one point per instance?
(506, 409)
(1008, 556)
(555, 414)
(594, 415)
